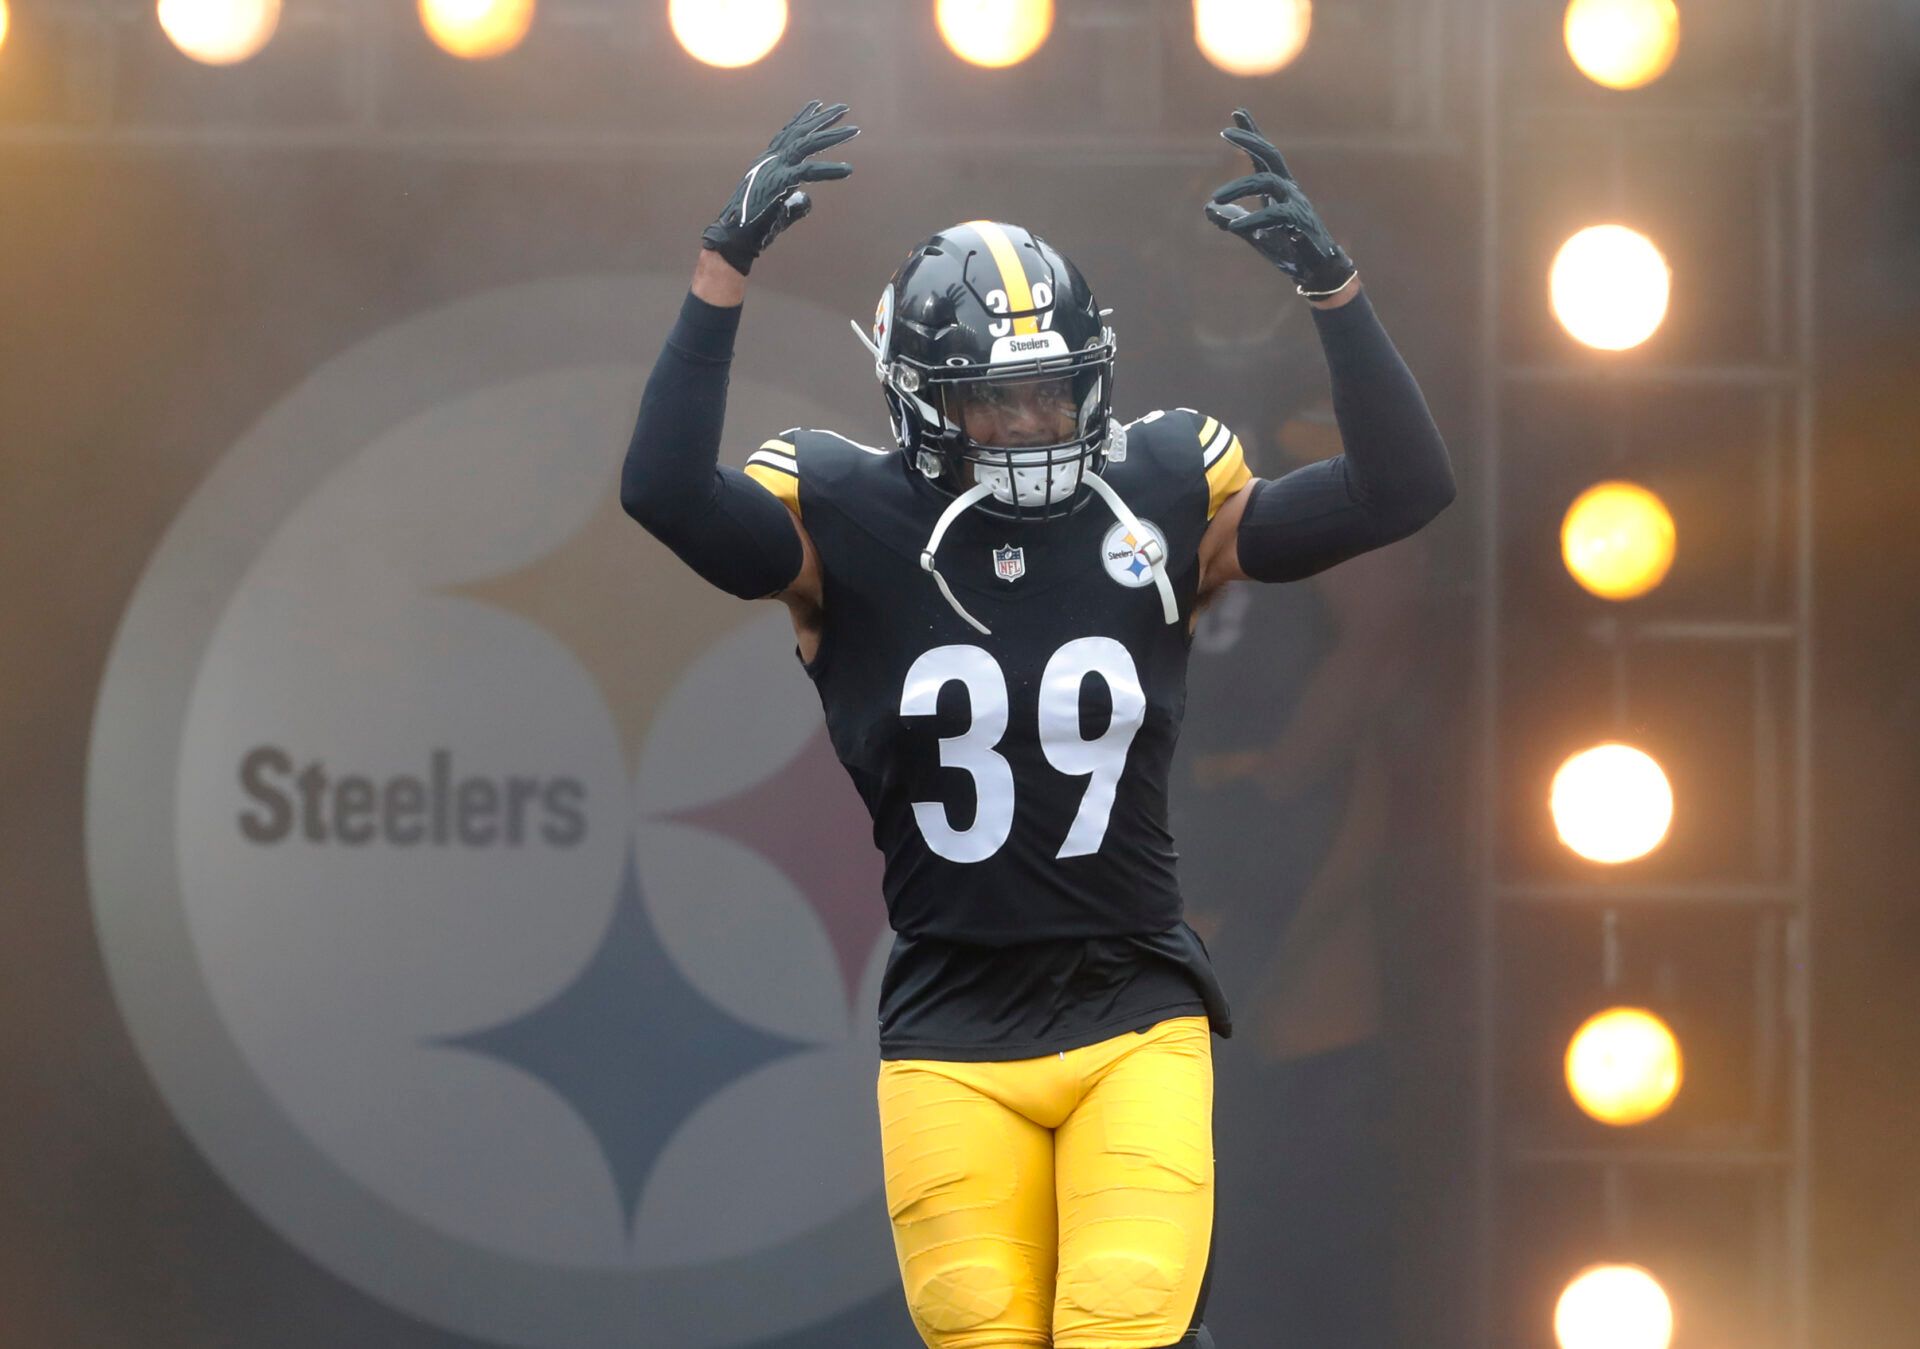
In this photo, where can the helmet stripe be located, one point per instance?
(1013, 278)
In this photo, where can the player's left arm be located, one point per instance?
(1393, 474)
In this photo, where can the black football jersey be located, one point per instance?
(1017, 779)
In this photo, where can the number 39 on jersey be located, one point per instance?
(1100, 760)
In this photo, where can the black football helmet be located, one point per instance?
(988, 318)
(975, 313)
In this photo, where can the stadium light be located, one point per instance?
(994, 33)
(1611, 803)
(1622, 44)
(1623, 1066)
(1609, 287)
(1613, 1307)
(728, 33)
(1617, 540)
(219, 32)
(1251, 37)
(476, 30)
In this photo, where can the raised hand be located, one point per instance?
(1283, 226)
(769, 197)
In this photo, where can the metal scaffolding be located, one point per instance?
(1770, 624)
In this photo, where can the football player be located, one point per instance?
(996, 610)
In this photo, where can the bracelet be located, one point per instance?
(1323, 294)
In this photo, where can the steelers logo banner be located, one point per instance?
(455, 854)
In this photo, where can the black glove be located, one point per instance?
(1285, 227)
(768, 198)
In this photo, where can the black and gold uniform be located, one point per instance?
(1003, 638)
(1017, 780)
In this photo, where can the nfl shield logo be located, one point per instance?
(1009, 563)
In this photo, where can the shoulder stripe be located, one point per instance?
(778, 463)
(1217, 447)
(1227, 475)
(1207, 428)
(776, 467)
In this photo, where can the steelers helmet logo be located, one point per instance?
(454, 855)
(1124, 553)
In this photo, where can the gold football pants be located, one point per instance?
(1063, 1201)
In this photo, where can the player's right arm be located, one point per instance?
(729, 528)
(719, 521)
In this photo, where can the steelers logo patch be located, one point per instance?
(1124, 553)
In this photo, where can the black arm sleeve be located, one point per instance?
(720, 522)
(1393, 477)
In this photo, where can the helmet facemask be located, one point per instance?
(1031, 428)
